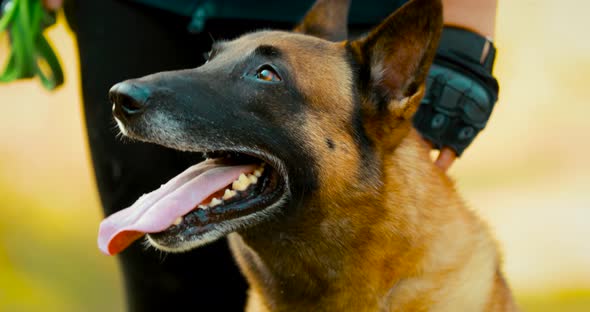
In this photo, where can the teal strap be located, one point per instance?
(30, 53)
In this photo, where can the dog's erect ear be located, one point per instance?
(398, 53)
(327, 19)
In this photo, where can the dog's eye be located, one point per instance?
(267, 73)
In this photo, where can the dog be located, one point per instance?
(313, 171)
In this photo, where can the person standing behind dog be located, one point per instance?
(118, 40)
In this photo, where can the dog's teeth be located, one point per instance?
(178, 221)
(258, 172)
(241, 184)
(214, 202)
(229, 194)
(202, 207)
(243, 178)
(253, 179)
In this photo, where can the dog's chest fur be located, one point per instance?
(422, 250)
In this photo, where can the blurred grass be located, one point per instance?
(49, 211)
(53, 257)
(558, 301)
(527, 174)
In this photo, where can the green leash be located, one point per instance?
(30, 53)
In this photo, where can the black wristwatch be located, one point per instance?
(460, 90)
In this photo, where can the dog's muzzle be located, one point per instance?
(129, 99)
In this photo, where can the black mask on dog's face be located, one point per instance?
(316, 112)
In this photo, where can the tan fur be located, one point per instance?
(404, 241)
(411, 245)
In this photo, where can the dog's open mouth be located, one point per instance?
(206, 201)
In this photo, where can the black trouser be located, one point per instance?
(119, 40)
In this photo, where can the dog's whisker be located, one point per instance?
(212, 38)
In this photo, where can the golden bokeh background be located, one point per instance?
(527, 174)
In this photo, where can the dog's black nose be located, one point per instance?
(129, 99)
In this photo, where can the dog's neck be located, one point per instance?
(369, 254)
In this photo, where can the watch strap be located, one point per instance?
(469, 45)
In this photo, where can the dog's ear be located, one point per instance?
(327, 19)
(395, 56)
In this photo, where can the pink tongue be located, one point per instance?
(156, 211)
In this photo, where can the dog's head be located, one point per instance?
(290, 122)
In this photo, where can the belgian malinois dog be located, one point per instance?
(313, 170)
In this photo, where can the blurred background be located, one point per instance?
(527, 174)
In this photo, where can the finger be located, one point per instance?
(446, 158)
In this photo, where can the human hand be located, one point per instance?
(446, 157)
(454, 110)
(460, 95)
